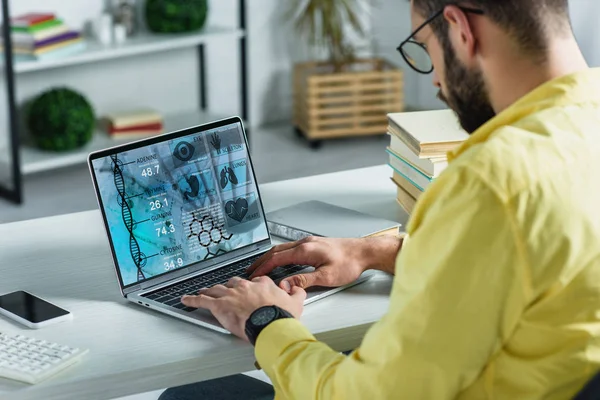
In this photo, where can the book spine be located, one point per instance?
(416, 177)
(57, 46)
(32, 20)
(50, 32)
(144, 127)
(135, 135)
(56, 54)
(398, 147)
(406, 201)
(401, 134)
(57, 39)
(30, 38)
(405, 184)
(135, 120)
(37, 27)
(425, 165)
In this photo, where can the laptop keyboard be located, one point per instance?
(171, 295)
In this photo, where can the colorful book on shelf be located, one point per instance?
(405, 169)
(427, 133)
(156, 126)
(37, 27)
(406, 201)
(49, 49)
(133, 118)
(31, 19)
(407, 185)
(42, 44)
(27, 39)
(61, 52)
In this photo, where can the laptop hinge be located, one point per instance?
(132, 289)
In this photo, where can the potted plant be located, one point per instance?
(342, 95)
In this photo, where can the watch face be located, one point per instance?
(263, 317)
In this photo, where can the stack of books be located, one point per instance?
(41, 36)
(134, 124)
(418, 150)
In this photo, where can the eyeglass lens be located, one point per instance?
(417, 57)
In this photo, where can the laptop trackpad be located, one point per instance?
(205, 316)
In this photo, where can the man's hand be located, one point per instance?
(337, 262)
(233, 303)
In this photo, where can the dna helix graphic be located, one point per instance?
(139, 258)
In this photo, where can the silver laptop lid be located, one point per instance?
(179, 203)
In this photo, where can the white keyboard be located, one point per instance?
(31, 360)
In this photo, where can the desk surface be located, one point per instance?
(66, 259)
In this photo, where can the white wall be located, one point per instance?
(585, 15)
(391, 25)
(271, 56)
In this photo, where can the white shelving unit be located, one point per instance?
(29, 159)
(142, 44)
(34, 160)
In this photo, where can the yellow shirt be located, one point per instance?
(497, 289)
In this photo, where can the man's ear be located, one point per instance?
(461, 34)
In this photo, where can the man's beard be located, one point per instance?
(467, 94)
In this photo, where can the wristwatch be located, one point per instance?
(261, 318)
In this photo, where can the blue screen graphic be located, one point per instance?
(178, 202)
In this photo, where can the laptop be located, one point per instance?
(182, 212)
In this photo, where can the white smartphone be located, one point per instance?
(31, 310)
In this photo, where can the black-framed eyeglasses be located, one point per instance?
(415, 54)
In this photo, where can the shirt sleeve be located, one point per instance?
(458, 293)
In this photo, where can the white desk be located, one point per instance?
(132, 350)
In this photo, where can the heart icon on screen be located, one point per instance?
(237, 210)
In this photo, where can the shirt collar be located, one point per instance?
(570, 89)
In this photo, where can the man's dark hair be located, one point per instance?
(529, 22)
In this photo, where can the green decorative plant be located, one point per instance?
(331, 25)
(60, 119)
(176, 16)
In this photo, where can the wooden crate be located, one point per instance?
(352, 102)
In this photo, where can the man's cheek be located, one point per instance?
(436, 79)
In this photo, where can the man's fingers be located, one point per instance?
(200, 301)
(304, 281)
(235, 281)
(215, 291)
(298, 293)
(301, 254)
(270, 253)
(277, 259)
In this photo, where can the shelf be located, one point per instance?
(146, 43)
(34, 160)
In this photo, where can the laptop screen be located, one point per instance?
(180, 201)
